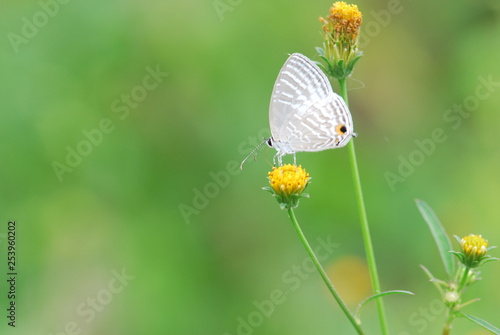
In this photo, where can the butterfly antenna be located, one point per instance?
(253, 152)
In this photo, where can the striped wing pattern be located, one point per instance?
(316, 129)
(305, 113)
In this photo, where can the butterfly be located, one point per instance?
(305, 115)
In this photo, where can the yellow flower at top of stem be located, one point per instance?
(341, 30)
(287, 184)
(474, 249)
(343, 23)
(474, 246)
(288, 179)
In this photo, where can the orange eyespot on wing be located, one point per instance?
(341, 129)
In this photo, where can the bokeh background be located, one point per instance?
(159, 198)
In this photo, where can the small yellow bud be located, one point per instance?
(474, 245)
(474, 248)
(288, 179)
(287, 184)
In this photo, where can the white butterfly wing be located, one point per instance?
(300, 83)
(305, 114)
(325, 125)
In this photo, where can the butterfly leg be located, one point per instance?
(279, 157)
(294, 159)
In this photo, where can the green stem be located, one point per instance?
(452, 310)
(449, 320)
(323, 274)
(464, 278)
(365, 229)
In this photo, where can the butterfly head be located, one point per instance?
(269, 142)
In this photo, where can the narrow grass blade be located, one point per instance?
(376, 296)
(442, 241)
(482, 323)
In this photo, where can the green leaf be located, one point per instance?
(350, 66)
(482, 323)
(326, 69)
(459, 255)
(437, 283)
(487, 259)
(376, 296)
(320, 51)
(442, 241)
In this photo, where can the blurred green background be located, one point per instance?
(201, 264)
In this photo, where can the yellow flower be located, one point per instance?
(343, 22)
(474, 249)
(288, 179)
(341, 31)
(474, 246)
(287, 184)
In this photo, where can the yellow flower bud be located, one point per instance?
(287, 184)
(474, 245)
(474, 249)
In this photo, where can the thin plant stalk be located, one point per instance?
(447, 326)
(365, 229)
(451, 310)
(323, 274)
(464, 278)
